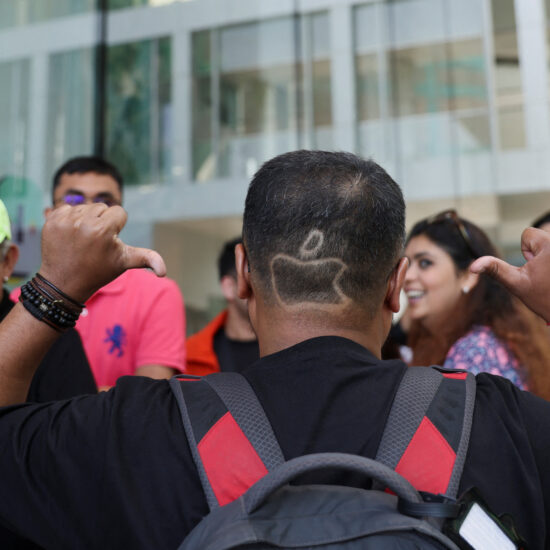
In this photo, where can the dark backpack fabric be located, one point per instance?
(247, 482)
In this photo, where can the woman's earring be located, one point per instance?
(6, 278)
(465, 289)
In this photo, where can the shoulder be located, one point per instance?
(501, 405)
(145, 291)
(509, 453)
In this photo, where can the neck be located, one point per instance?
(278, 332)
(237, 325)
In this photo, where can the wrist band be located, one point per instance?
(47, 303)
(54, 288)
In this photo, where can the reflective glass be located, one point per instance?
(508, 86)
(438, 77)
(421, 92)
(116, 4)
(139, 110)
(416, 21)
(14, 13)
(70, 126)
(259, 89)
(367, 86)
(14, 117)
(321, 79)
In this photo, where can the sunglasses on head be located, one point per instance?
(76, 199)
(451, 216)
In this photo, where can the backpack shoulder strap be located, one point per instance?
(221, 411)
(427, 432)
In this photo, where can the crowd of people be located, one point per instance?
(311, 288)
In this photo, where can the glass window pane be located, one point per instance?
(14, 117)
(70, 127)
(259, 89)
(139, 110)
(466, 77)
(367, 86)
(116, 4)
(508, 86)
(203, 106)
(367, 31)
(439, 77)
(419, 80)
(416, 21)
(320, 68)
(21, 12)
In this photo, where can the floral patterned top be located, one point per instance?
(481, 351)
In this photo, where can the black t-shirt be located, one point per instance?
(64, 372)
(115, 470)
(234, 355)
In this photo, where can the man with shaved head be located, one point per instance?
(321, 265)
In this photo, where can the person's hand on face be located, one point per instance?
(81, 250)
(531, 282)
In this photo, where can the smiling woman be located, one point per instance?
(466, 321)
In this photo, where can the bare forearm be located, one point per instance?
(24, 341)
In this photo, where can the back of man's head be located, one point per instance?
(323, 230)
(84, 165)
(226, 259)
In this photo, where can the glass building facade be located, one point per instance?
(189, 97)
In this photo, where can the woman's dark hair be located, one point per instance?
(487, 304)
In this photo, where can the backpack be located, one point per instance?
(246, 479)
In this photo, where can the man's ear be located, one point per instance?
(395, 284)
(244, 290)
(10, 259)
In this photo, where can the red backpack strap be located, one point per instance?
(230, 437)
(427, 433)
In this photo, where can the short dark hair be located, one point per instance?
(343, 215)
(84, 165)
(226, 259)
(541, 220)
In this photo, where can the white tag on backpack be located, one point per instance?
(481, 532)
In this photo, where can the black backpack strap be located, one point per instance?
(427, 433)
(230, 437)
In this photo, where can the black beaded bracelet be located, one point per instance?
(46, 307)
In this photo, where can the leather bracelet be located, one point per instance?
(71, 307)
(61, 293)
(47, 303)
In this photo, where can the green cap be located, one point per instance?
(5, 231)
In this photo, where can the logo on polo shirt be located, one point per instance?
(116, 336)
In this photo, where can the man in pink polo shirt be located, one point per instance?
(135, 324)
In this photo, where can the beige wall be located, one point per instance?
(190, 250)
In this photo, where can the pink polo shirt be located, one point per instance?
(137, 319)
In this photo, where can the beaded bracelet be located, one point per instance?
(47, 303)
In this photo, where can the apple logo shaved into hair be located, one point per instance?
(308, 279)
